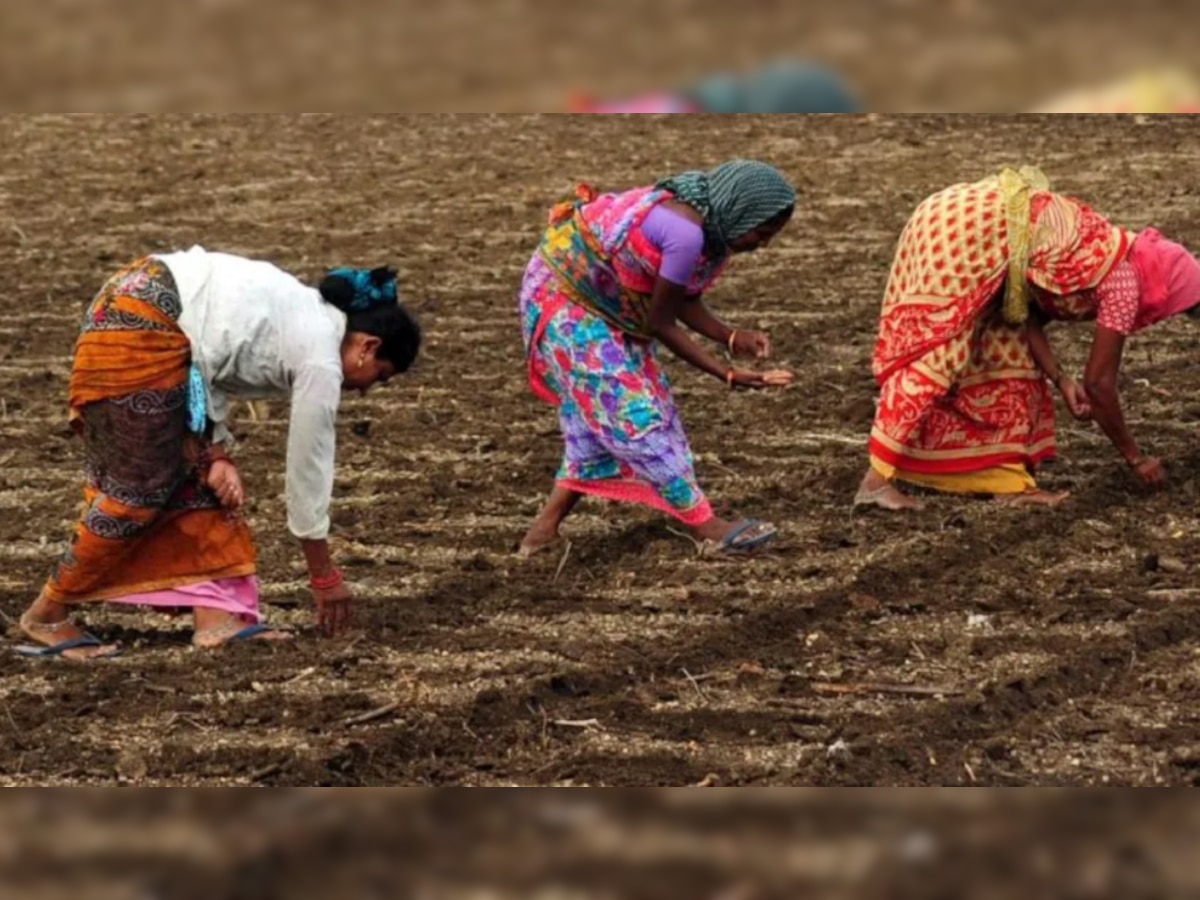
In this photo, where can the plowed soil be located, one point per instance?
(1035, 647)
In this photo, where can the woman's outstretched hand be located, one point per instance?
(334, 605)
(226, 483)
(1150, 471)
(334, 609)
(1076, 398)
(756, 381)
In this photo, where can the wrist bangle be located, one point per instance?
(732, 340)
(729, 378)
(326, 582)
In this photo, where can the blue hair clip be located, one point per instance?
(373, 288)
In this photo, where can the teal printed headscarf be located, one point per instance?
(368, 288)
(735, 198)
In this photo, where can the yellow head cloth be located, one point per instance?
(1018, 186)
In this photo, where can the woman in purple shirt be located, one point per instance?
(615, 276)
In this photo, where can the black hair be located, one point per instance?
(397, 330)
(780, 218)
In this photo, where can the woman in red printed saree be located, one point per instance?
(615, 275)
(963, 361)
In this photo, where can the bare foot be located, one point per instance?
(1033, 498)
(742, 536)
(876, 490)
(543, 534)
(215, 629)
(64, 631)
(538, 539)
(715, 529)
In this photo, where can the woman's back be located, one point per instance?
(251, 324)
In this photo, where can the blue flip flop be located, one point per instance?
(732, 544)
(250, 632)
(31, 651)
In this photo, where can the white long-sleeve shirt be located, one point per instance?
(256, 333)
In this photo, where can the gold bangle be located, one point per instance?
(732, 340)
(729, 378)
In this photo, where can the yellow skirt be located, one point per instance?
(1010, 478)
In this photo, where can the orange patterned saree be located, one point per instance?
(149, 520)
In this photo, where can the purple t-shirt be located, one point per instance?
(679, 238)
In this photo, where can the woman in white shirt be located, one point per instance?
(165, 348)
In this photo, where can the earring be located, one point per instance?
(361, 361)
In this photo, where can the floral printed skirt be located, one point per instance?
(624, 439)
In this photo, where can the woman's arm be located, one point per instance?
(696, 315)
(223, 477)
(1039, 345)
(329, 588)
(317, 557)
(1100, 381)
(676, 230)
(316, 392)
(666, 309)
(1118, 300)
(1043, 354)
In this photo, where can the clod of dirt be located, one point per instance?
(979, 622)
(361, 429)
(836, 539)
(479, 563)
(839, 749)
(1168, 565)
(997, 750)
(131, 766)
(865, 602)
(1171, 565)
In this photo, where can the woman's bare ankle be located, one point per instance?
(44, 613)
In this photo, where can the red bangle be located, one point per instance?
(326, 582)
